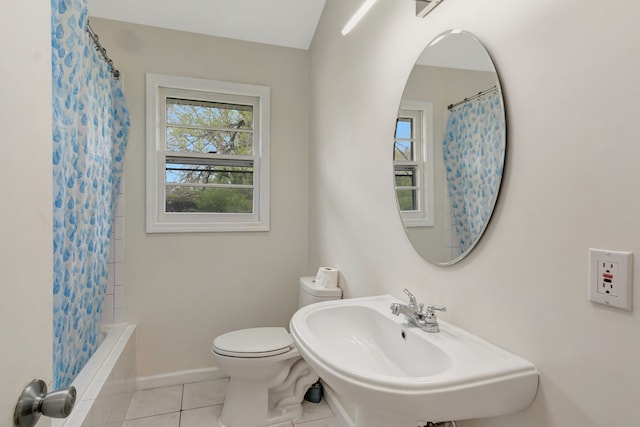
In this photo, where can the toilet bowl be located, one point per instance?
(267, 376)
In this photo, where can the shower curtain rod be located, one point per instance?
(478, 95)
(103, 51)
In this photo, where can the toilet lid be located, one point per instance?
(254, 342)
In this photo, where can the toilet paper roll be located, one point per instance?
(327, 277)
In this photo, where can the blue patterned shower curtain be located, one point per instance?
(90, 129)
(474, 158)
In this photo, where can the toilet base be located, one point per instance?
(245, 414)
(260, 403)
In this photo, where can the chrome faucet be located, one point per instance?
(417, 315)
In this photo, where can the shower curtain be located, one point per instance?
(90, 129)
(474, 157)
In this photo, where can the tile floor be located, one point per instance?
(199, 405)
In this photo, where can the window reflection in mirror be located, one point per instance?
(412, 163)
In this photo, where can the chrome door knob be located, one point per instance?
(34, 401)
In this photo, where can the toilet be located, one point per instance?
(267, 376)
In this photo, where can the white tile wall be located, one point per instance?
(454, 244)
(114, 397)
(107, 383)
(113, 309)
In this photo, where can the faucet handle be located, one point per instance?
(395, 308)
(432, 308)
(412, 299)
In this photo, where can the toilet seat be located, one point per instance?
(254, 342)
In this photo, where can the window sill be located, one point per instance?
(204, 227)
(417, 222)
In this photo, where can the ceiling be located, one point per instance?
(458, 49)
(289, 23)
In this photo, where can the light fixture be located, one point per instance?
(358, 16)
(423, 7)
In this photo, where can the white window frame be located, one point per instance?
(424, 215)
(159, 221)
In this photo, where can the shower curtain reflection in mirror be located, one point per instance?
(474, 147)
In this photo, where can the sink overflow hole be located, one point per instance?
(403, 334)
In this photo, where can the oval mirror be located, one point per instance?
(449, 147)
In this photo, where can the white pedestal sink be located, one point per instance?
(398, 375)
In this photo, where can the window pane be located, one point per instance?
(209, 114)
(209, 141)
(405, 176)
(209, 200)
(403, 128)
(404, 181)
(407, 200)
(208, 174)
(403, 150)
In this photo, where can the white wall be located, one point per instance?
(182, 290)
(569, 71)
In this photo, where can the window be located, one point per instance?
(207, 155)
(413, 163)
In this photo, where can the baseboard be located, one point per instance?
(338, 410)
(179, 377)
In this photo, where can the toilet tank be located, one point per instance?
(309, 293)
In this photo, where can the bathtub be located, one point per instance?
(106, 384)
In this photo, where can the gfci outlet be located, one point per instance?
(610, 279)
(607, 277)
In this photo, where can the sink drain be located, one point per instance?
(403, 334)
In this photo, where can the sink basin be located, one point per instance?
(397, 374)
